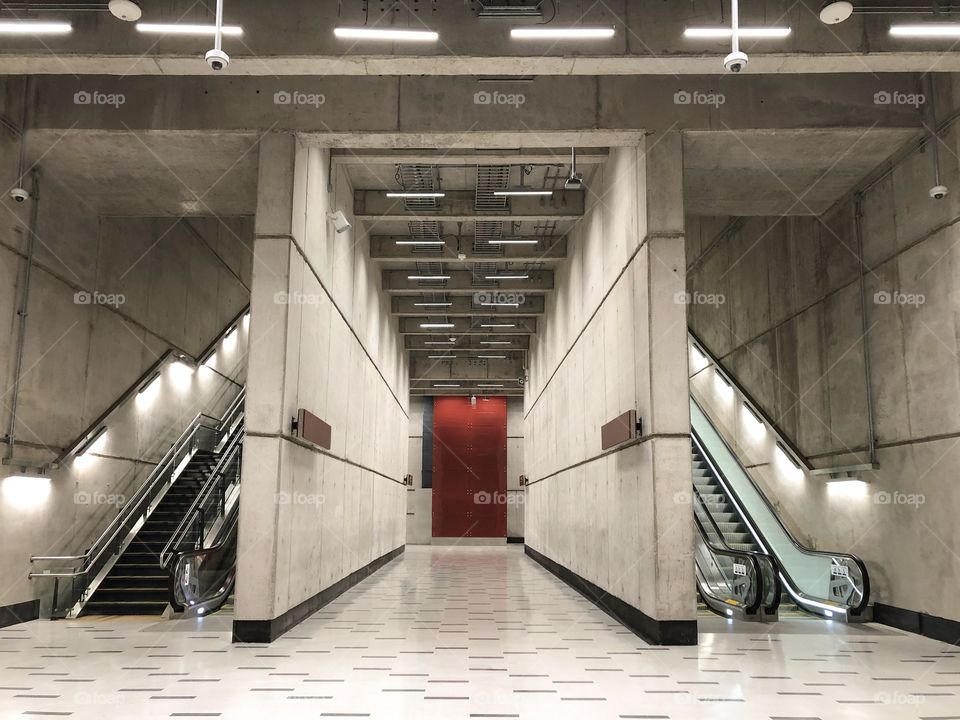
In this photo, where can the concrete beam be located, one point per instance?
(407, 306)
(466, 326)
(426, 369)
(384, 248)
(490, 392)
(496, 344)
(459, 205)
(401, 112)
(462, 282)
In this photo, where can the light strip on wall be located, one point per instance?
(558, 33)
(355, 33)
(927, 30)
(34, 27)
(721, 33)
(186, 29)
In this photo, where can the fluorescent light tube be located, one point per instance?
(34, 27)
(927, 30)
(556, 33)
(433, 304)
(497, 325)
(420, 242)
(720, 33)
(187, 29)
(519, 191)
(428, 277)
(353, 33)
(431, 326)
(506, 277)
(416, 194)
(513, 241)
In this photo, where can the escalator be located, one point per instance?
(734, 516)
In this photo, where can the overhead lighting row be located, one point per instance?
(46, 27)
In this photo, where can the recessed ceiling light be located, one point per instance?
(33, 27)
(926, 30)
(571, 33)
(832, 13)
(755, 33)
(187, 29)
(126, 10)
(352, 33)
(521, 191)
(415, 194)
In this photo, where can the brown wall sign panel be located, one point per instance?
(619, 430)
(313, 429)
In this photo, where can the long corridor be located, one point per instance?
(470, 632)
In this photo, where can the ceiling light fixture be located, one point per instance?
(420, 242)
(392, 194)
(499, 304)
(506, 277)
(521, 192)
(498, 325)
(832, 13)
(437, 385)
(495, 342)
(926, 30)
(513, 241)
(34, 27)
(491, 385)
(354, 33)
(432, 326)
(441, 357)
(557, 33)
(433, 304)
(187, 29)
(752, 33)
(492, 357)
(428, 277)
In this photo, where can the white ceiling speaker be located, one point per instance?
(832, 13)
(126, 10)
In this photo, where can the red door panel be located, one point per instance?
(469, 467)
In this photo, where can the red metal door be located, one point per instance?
(469, 467)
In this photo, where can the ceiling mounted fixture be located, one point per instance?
(506, 277)
(492, 357)
(420, 242)
(126, 10)
(926, 30)
(428, 277)
(521, 191)
(495, 342)
(510, 11)
(441, 357)
(34, 27)
(570, 33)
(513, 241)
(433, 304)
(435, 326)
(832, 13)
(752, 33)
(437, 385)
(187, 29)
(575, 181)
(354, 33)
(736, 61)
(497, 325)
(401, 194)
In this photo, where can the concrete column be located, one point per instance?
(616, 523)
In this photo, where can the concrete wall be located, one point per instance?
(420, 499)
(174, 287)
(322, 339)
(790, 333)
(612, 339)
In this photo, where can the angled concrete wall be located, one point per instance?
(613, 340)
(108, 296)
(790, 331)
(321, 339)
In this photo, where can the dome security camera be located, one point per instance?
(735, 61)
(19, 194)
(835, 12)
(126, 10)
(217, 59)
(938, 192)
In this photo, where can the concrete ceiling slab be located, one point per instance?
(152, 174)
(763, 172)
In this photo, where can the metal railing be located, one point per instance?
(85, 571)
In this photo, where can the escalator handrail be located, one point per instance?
(764, 556)
(730, 552)
(234, 445)
(853, 610)
(180, 555)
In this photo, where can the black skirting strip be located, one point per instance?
(19, 612)
(265, 631)
(931, 626)
(656, 632)
(511, 539)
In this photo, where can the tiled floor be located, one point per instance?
(450, 632)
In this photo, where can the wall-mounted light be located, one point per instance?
(340, 222)
(753, 413)
(366, 33)
(26, 491)
(34, 27)
(788, 455)
(848, 487)
(559, 33)
(91, 441)
(723, 379)
(148, 383)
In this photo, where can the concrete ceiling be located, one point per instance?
(152, 174)
(764, 172)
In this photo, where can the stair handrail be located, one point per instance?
(212, 482)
